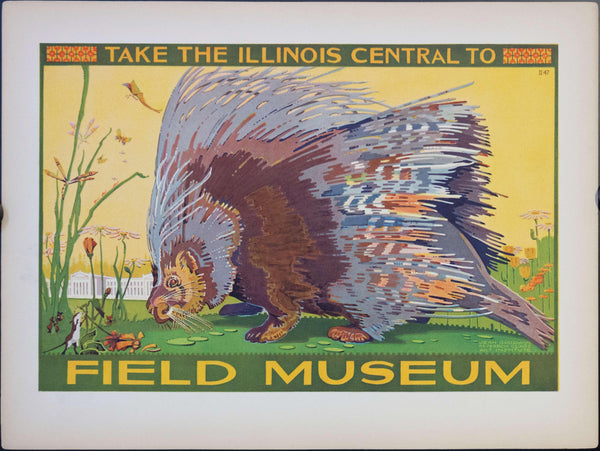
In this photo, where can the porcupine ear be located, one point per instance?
(187, 260)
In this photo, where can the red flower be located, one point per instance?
(89, 244)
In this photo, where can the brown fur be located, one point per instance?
(285, 240)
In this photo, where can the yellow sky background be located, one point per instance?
(517, 103)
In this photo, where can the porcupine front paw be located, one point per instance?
(272, 329)
(349, 334)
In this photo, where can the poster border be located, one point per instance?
(576, 402)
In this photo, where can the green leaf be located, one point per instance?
(87, 337)
(94, 345)
(180, 342)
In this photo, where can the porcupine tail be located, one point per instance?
(412, 187)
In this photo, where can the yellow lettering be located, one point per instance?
(292, 53)
(422, 55)
(264, 56)
(392, 54)
(125, 369)
(437, 56)
(490, 59)
(472, 52)
(333, 55)
(308, 59)
(408, 51)
(107, 372)
(112, 53)
(325, 377)
(184, 52)
(198, 53)
(220, 55)
(469, 380)
(141, 54)
(449, 59)
(165, 375)
(271, 365)
(125, 55)
(369, 369)
(73, 369)
(491, 365)
(160, 53)
(249, 56)
(201, 376)
(406, 370)
(376, 55)
(354, 55)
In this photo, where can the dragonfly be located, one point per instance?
(62, 177)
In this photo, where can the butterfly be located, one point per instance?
(122, 139)
(101, 159)
(66, 181)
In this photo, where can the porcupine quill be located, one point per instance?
(295, 195)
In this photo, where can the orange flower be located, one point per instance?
(543, 296)
(525, 271)
(531, 298)
(548, 290)
(89, 244)
(514, 262)
(530, 252)
(112, 340)
(549, 265)
(537, 280)
(121, 342)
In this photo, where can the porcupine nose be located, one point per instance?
(158, 308)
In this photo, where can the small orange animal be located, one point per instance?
(138, 95)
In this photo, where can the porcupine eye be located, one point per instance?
(172, 282)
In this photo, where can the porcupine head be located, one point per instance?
(299, 195)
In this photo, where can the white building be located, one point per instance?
(80, 286)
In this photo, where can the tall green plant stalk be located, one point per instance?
(68, 211)
(120, 294)
(101, 270)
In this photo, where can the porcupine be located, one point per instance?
(298, 195)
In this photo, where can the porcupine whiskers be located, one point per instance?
(193, 319)
(178, 321)
(188, 320)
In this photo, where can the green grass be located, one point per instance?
(310, 337)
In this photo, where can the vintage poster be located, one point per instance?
(313, 225)
(298, 217)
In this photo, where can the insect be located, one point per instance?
(122, 139)
(86, 134)
(101, 159)
(65, 180)
(138, 95)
